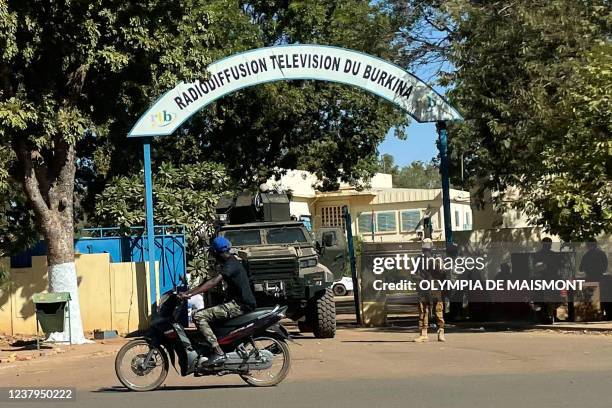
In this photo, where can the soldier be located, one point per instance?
(594, 263)
(430, 299)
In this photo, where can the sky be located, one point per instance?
(419, 145)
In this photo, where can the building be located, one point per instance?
(379, 212)
(488, 215)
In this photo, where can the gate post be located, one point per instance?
(146, 147)
(351, 253)
(444, 171)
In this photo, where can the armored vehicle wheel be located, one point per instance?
(322, 315)
(304, 327)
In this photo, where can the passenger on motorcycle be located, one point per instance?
(239, 297)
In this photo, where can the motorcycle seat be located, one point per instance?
(248, 317)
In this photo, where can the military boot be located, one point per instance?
(441, 335)
(422, 338)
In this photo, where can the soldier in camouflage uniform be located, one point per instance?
(430, 299)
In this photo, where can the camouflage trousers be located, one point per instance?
(204, 317)
(424, 307)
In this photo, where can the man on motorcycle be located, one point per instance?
(239, 299)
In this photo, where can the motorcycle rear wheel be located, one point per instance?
(127, 363)
(263, 378)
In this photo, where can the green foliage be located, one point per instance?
(329, 129)
(76, 75)
(73, 75)
(184, 195)
(4, 277)
(418, 175)
(17, 221)
(415, 175)
(533, 79)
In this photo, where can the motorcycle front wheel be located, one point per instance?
(131, 371)
(280, 364)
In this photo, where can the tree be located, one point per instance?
(71, 73)
(17, 223)
(329, 129)
(184, 195)
(387, 164)
(426, 36)
(75, 75)
(533, 79)
(418, 175)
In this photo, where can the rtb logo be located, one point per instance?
(162, 118)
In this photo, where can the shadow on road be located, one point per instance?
(376, 341)
(120, 389)
(23, 345)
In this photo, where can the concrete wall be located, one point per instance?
(113, 296)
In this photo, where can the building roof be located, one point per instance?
(302, 183)
(400, 195)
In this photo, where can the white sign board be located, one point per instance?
(294, 62)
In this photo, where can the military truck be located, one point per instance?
(281, 258)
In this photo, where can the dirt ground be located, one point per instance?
(355, 353)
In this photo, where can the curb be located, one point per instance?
(585, 328)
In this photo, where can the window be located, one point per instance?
(243, 237)
(331, 216)
(365, 223)
(468, 221)
(410, 219)
(457, 219)
(285, 236)
(385, 221)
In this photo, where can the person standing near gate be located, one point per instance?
(430, 299)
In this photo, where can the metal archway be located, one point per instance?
(292, 62)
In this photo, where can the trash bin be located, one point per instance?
(51, 312)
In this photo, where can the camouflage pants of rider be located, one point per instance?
(204, 317)
(438, 307)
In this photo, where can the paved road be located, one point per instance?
(366, 368)
(555, 390)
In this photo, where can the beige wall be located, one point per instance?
(488, 215)
(366, 203)
(113, 296)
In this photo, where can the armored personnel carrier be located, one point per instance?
(281, 258)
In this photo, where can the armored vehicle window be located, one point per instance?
(244, 237)
(285, 236)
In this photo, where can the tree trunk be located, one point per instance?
(49, 185)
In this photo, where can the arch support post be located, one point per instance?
(445, 175)
(150, 228)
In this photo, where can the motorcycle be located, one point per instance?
(255, 345)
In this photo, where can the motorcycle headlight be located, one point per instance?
(308, 263)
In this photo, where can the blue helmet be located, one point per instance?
(220, 245)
